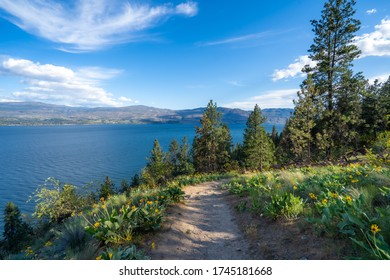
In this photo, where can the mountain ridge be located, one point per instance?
(38, 113)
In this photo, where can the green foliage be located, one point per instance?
(339, 201)
(382, 145)
(74, 243)
(157, 170)
(57, 202)
(123, 253)
(212, 144)
(107, 188)
(287, 205)
(16, 232)
(258, 148)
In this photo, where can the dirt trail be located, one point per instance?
(203, 227)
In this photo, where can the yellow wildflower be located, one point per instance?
(348, 198)
(102, 199)
(96, 225)
(104, 206)
(358, 173)
(162, 197)
(128, 237)
(99, 258)
(375, 228)
(153, 245)
(109, 195)
(156, 211)
(334, 195)
(354, 181)
(29, 251)
(110, 256)
(133, 207)
(149, 202)
(312, 196)
(48, 244)
(94, 206)
(295, 187)
(324, 201)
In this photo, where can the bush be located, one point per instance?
(57, 202)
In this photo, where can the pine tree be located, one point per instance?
(107, 188)
(258, 147)
(284, 152)
(16, 232)
(185, 165)
(348, 111)
(334, 53)
(212, 142)
(173, 158)
(302, 123)
(275, 136)
(156, 171)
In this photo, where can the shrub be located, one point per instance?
(57, 202)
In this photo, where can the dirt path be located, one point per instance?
(203, 227)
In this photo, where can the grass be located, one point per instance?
(350, 203)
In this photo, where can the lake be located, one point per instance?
(80, 155)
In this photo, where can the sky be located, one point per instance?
(171, 54)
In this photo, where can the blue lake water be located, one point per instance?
(80, 155)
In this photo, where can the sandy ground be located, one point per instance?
(203, 227)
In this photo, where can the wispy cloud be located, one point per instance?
(269, 99)
(232, 40)
(235, 83)
(294, 69)
(376, 43)
(86, 25)
(61, 85)
(372, 11)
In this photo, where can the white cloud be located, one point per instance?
(376, 43)
(270, 99)
(235, 83)
(232, 40)
(60, 85)
(189, 9)
(372, 11)
(293, 69)
(381, 78)
(125, 99)
(86, 25)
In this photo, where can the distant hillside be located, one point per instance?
(36, 113)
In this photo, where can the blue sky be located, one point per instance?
(170, 54)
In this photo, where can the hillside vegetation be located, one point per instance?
(328, 169)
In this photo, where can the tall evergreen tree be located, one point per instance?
(107, 188)
(334, 53)
(302, 123)
(258, 147)
(348, 111)
(185, 165)
(16, 232)
(156, 171)
(210, 146)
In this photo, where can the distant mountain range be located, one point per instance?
(36, 113)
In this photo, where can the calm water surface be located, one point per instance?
(79, 155)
